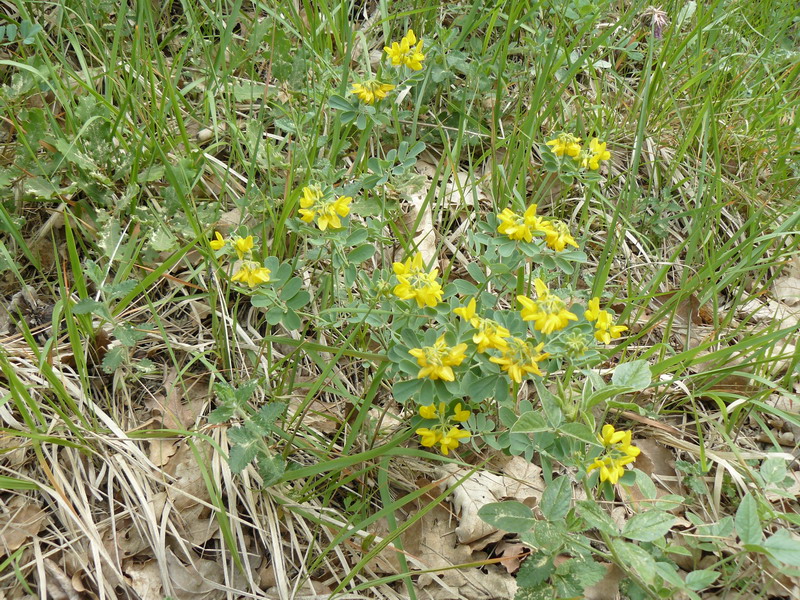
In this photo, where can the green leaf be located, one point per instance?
(361, 253)
(274, 315)
(545, 536)
(748, 525)
(648, 526)
(701, 579)
(635, 559)
(291, 320)
(114, 359)
(579, 431)
(299, 300)
(635, 374)
(127, 335)
(530, 422)
(290, 288)
(605, 393)
(221, 414)
(556, 499)
(340, 103)
(596, 517)
(773, 470)
(271, 469)
(88, 306)
(403, 390)
(241, 456)
(783, 547)
(510, 516)
(535, 570)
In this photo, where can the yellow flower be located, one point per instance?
(408, 52)
(605, 328)
(416, 282)
(514, 226)
(520, 358)
(371, 91)
(430, 437)
(451, 440)
(597, 152)
(489, 334)
(558, 236)
(218, 242)
(428, 412)
(548, 312)
(437, 361)
(592, 310)
(314, 205)
(608, 436)
(459, 415)
(251, 273)
(243, 245)
(619, 452)
(566, 143)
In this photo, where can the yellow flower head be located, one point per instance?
(315, 205)
(408, 52)
(592, 310)
(437, 361)
(451, 440)
(251, 273)
(548, 312)
(489, 334)
(460, 415)
(597, 152)
(566, 143)
(558, 236)
(605, 330)
(218, 242)
(619, 452)
(519, 358)
(416, 282)
(243, 245)
(430, 437)
(428, 412)
(371, 91)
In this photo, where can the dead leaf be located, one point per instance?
(522, 482)
(145, 579)
(787, 290)
(23, 520)
(511, 555)
(656, 461)
(608, 587)
(58, 585)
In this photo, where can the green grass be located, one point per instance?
(164, 412)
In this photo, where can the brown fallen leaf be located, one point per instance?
(23, 520)
(523, 481)
(511, 555)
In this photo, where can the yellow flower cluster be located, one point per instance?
(316, 205)
(522, 227)
(489, 333)
(566, 143)
(408, 52)
(605, 330)
(371, 90)
(250, 272)
(618, 452)
(437, 361)
(416, 282)
(519, 358)
(446, 432)
(548, 312)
